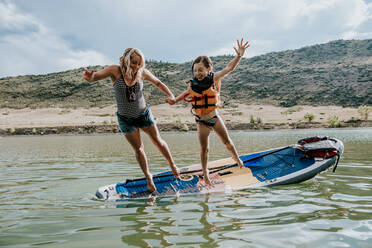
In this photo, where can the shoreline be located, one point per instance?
(166, 127)
(237, 116)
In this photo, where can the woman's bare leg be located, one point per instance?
(154, 135)
(134, 139)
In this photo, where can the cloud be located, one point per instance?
(290, 24)
(10, 20)
(45, 36)
(29, 47)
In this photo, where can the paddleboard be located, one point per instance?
(279, 166)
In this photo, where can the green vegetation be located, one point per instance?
(291, 110)
(309, 117)
(364, 112)
(335, 73)
(181, 126)
(251, 119)
(255, 121)
(64, 111)
(333, 121)
(237, 113)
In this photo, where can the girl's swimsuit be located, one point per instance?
(208, 122)
(132, 111)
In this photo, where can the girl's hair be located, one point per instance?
(207, 62)
(128, 54)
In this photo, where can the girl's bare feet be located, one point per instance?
(207, 180)
(240, 163)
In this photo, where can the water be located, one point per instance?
(47, 186)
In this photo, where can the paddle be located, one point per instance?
(213, 170)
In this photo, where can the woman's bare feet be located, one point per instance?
(175, 171)
(150, 184)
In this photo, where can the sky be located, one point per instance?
(45, 36)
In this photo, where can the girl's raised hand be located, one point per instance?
(241, 47)
(88, 75)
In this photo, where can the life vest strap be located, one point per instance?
(203, 106)
(188, 98)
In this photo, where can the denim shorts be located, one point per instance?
(128, 125)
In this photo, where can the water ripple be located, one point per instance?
(47, 197)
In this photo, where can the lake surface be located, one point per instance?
(47, 186)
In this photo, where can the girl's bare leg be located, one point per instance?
(203, 135)
(221, 131)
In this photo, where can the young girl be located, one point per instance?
(132, 111)
(204, 95)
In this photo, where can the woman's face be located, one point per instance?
(135, 63)
(200, 71)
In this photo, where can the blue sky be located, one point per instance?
(43, 36)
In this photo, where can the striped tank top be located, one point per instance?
(129, 99)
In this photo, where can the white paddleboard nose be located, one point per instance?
(105, 192)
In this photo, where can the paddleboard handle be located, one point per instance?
(335, 166)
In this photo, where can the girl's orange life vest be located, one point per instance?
(203, 96)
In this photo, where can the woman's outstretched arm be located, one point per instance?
(92, 76)
(147, 75)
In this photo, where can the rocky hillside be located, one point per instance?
(335, 73)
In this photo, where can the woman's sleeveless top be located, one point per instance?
(129, 99)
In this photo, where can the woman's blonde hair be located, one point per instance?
(128, 54)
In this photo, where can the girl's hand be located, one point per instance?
(88, 75)
(171, 100)
(241, 48)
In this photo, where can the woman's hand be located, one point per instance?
(241, 48)
(171, 100)
(88, 75)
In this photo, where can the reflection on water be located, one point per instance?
(47, 187)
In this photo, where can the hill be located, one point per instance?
(335, 73)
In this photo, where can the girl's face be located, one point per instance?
(135, 63)
(200, 71)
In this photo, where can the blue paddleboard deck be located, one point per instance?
(279, 166)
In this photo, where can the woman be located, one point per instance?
(132, 111)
